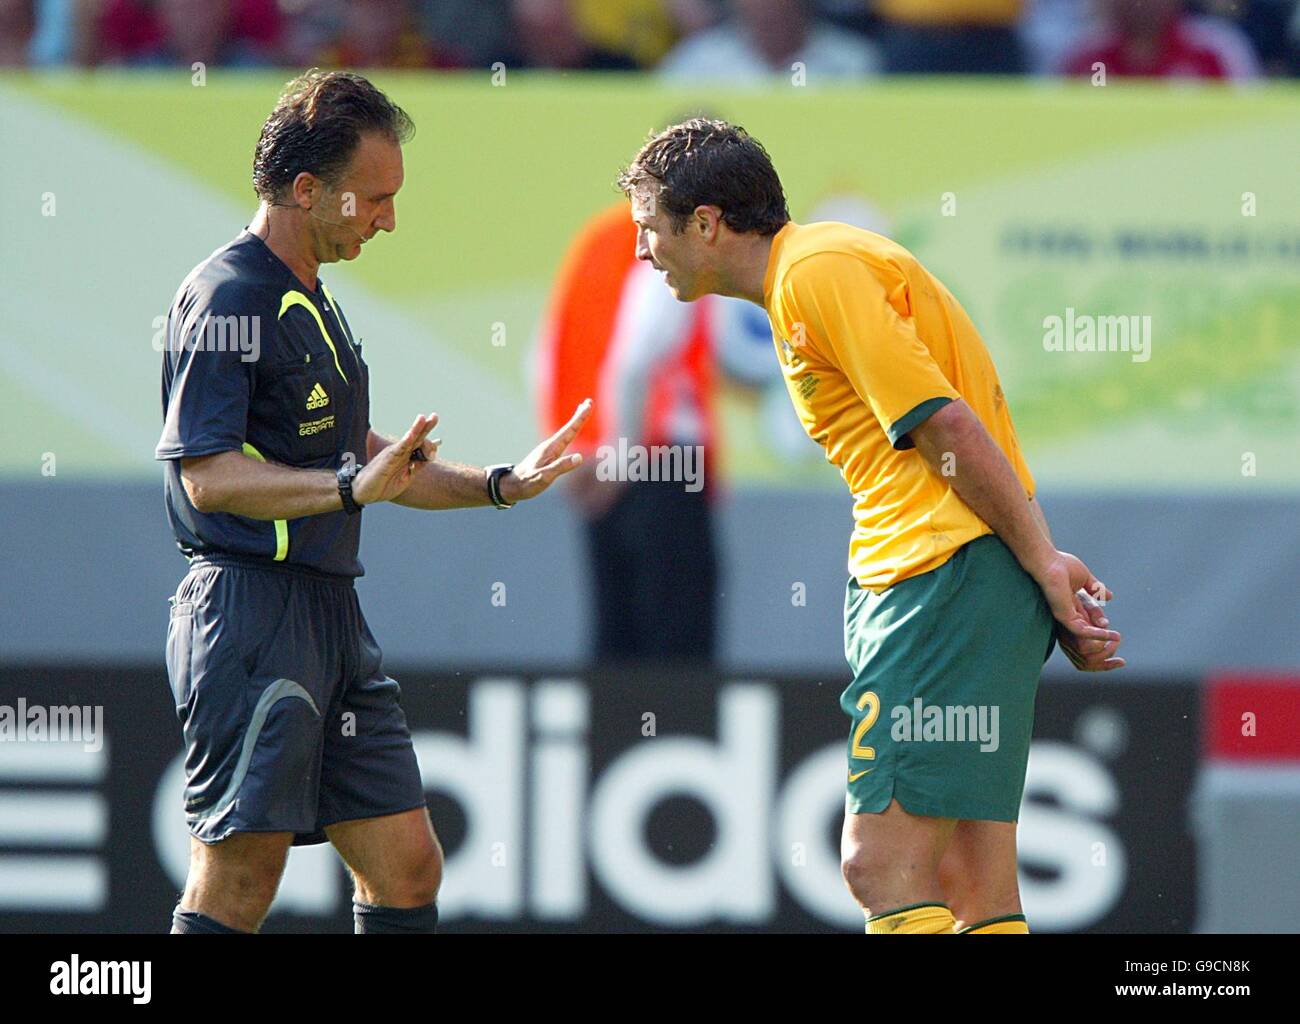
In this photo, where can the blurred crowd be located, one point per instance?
(685, 39)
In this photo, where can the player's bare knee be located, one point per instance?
(859, 869)
(257, 886)
(246, 892)
(433, 868)
(413, 883)
(855, 879)
(420, 882)
(235, 880)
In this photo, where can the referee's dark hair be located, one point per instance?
(706, 162)
(315, 127)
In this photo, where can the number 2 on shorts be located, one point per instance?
(872, 702)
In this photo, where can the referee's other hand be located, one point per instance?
(388, 474)
(547, 462)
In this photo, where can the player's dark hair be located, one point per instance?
(706, 162)
(315, 127)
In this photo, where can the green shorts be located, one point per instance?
(945, 670)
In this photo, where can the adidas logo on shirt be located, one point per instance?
(318, 397)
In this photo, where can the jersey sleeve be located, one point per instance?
(851, 318)
(207, 380)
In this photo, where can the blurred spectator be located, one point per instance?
(1051, 30)
(480, 29)
(691, 16)
(1293, 42)
(378, 33)
(857, 15)
(55, 33)
(17, 22)
(236, 33)
(1160, 39)
(643, 30)
(766, 37)
(961, 37)
(1265, 24)
(547, 35)
(310, 28)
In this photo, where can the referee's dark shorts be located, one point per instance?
(290, 722)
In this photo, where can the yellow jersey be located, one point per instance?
(871, 344)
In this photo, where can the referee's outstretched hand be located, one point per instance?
(388, 474)
(545, 463)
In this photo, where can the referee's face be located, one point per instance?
(362, 204)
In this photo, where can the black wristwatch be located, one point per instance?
(346, 474)
(494, 475)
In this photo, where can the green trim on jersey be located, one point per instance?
(910, 420)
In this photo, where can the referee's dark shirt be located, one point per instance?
(255, 362)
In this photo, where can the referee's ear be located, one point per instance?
(305, 190)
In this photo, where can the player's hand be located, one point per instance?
(1080, 619)
(544, 464)
(388, 474)
(1089, 655)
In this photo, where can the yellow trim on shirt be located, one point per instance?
(281, 525)
(296, 298)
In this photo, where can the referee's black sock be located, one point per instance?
(372, 920)
(191, 922)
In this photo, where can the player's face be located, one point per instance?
(669, 252)
(362, 204)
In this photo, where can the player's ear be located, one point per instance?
(707, 221)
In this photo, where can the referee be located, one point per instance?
(293, 732)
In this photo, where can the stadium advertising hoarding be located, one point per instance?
(1128, 252)
(655, 800)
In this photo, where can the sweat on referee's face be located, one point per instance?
(361, 204)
